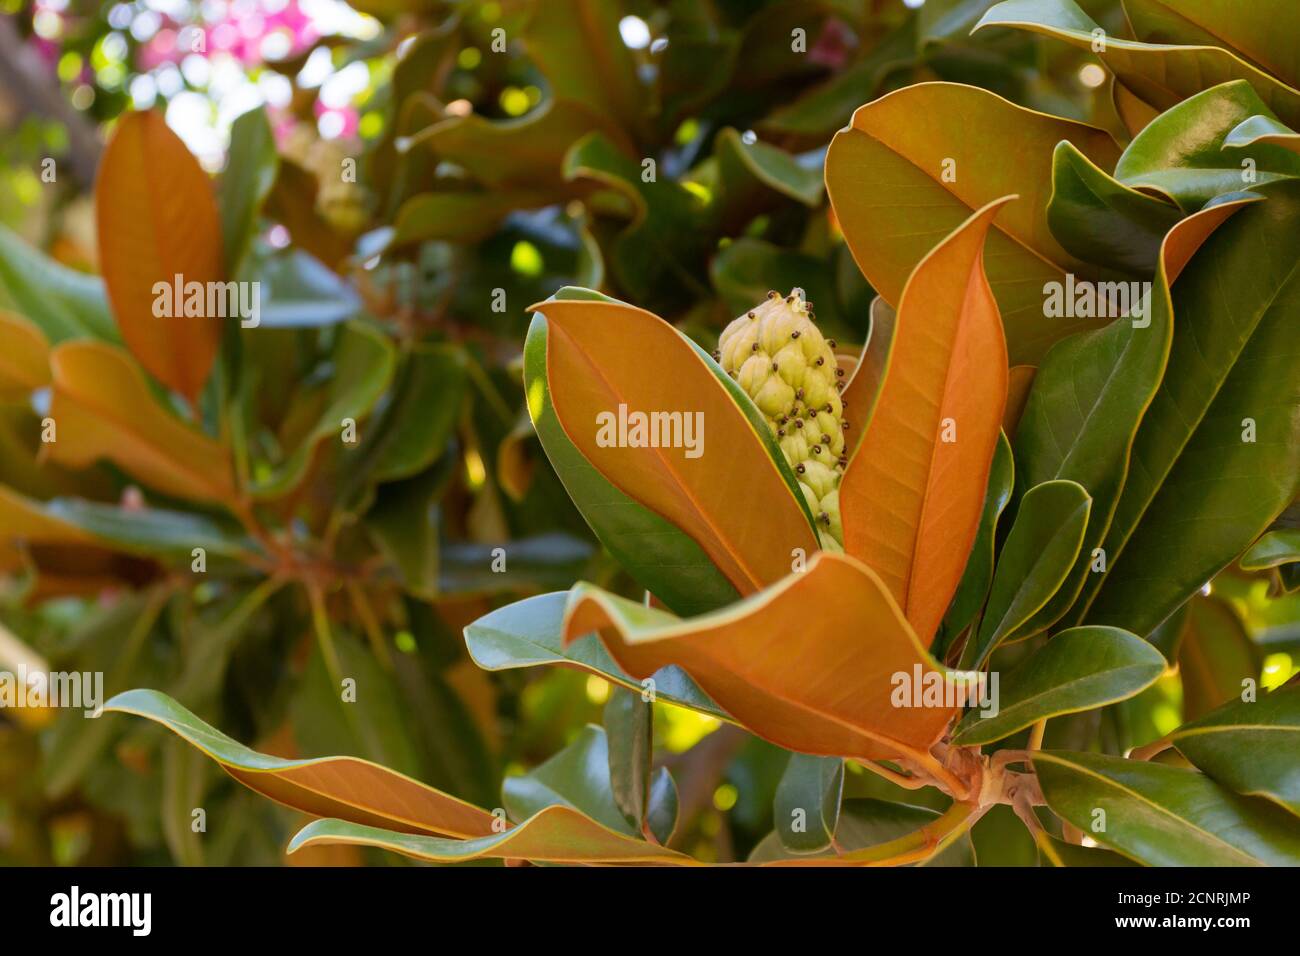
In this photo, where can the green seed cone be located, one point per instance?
(788, 368)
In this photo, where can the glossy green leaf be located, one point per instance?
(1079, 669)
(299, 292)
(1165, 816)
(456, 745)
(1099, 219)
(355, 789)
(1273, 549)
(697, 65)
(1159, 74)
(657, 256)
(515, 154)
(629, 732)
(1250, 746)
(577, 45)
(251, 167)
(185, 775)
(404, 526)
(62, 302)
(1261, 33)
(464, 216)
(421, 68)
(1092, 390)
(837, 697)
(748, 178)
(579, 777)
(1072, 855)
(529, 633)
(864, 823)
(807, 805)
(348, 704)
(1039, 551)
(1217, 457)
(999, 838)
(362, 369)
(1216, 658)
(213, 633)
(821, 110)
(413, 429)
(1181, 153)
(746, 269)
(1263, 129)
(973, 589)
(154, 531)
(1168, 637)
(557, 834)
(111, 641)
(540, 562)
(663, 559)
(946, 21)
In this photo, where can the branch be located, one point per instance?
(37, 93)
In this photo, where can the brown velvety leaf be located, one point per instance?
(912, 495)
(810, 664)
(157, 219)
(24, 357)
(345, 787)
(731, 498)
(102, 408)
(916, 163)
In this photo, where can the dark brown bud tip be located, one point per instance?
(821, 360)
(798, 423)
(754, 347)
(800, 469)
(831, 343)
(839, 372)
(780, 433)
(773, 294)
(752, 315)
(844, 425)
(825, 517)
(826, 440)
(775, 367)
(816, 449)
(794, 334)
(799, 394)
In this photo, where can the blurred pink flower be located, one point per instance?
(248, 31)
(348, 117)
(160, 49)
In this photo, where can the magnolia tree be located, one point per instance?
(902, 405)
